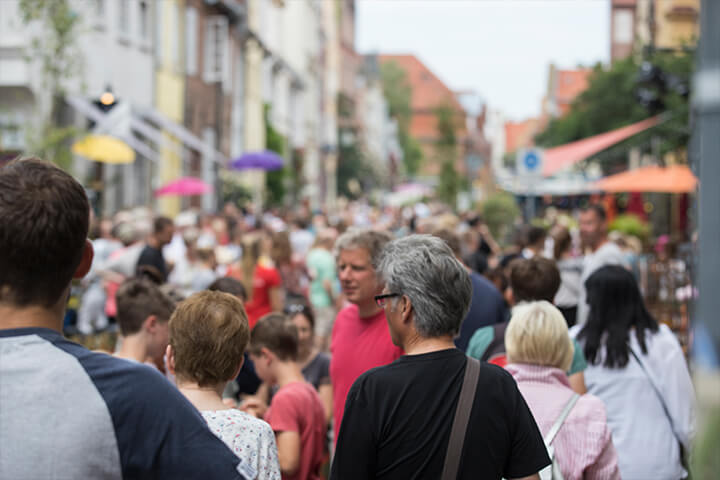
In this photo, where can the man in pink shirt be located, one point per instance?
(360, 337)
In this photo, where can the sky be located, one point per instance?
(501, 49)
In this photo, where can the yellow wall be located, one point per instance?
(674, 30)
(170, 100)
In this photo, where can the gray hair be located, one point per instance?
(373, 241)
(424, 268)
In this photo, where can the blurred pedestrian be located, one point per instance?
(570, 268)
(594, 236)
(152, 255)
(539, 352)
(320, 264)
(208, 335)
(638, 369)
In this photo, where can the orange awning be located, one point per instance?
(564, 156)
(672, 179)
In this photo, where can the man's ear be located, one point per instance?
(405, 308)
(151, 323)
(85, 261)
(170, 360)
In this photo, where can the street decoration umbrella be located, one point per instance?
(185, 187)
(265, 160)
(672, 179)
(104, 149)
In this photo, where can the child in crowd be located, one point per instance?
(143, 311)
(296, 413)
(208, 335)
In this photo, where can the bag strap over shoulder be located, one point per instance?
(462, 417)
(561, 419)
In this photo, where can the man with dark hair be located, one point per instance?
(534, 242)
(114, 419)
(143, 312)
(534, 280)
(152, 255)
(594, 236)
(486, 306)
(530, 280)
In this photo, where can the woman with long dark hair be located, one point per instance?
(638, 369)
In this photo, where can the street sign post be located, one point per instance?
(529, 165)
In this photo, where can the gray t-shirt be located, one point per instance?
(317, 372)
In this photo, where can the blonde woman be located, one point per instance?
(539, 352)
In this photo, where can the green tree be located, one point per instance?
(59, 58)
(500, 211)
(398, 93)
(274, 180)
(610, 102)
(450, 182)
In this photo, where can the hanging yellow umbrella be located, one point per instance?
(105, 149)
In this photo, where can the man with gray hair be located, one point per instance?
(360, 339)
(398, 418)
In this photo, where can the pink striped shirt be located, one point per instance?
(583, 447)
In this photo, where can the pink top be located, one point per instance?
(583, 446)
(297, 407)
(357, 345)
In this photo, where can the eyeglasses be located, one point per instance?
(380, 299)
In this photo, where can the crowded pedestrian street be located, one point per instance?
(358, 239)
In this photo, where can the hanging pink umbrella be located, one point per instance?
(185, 187)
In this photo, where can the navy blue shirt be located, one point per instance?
(486, 308)
(71, 413)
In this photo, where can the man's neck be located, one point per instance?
(287, 372)
(203, 398)
(368, 309)
(133, 347)
(417, 345)
(12, 316)
(600, 243)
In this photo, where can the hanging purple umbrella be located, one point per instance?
(266, 160)
(184, 187)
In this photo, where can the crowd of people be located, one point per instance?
(397, 343)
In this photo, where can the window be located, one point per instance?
(623, 26)
(217, 49)
(144, 21)
(124, 17)
(191, 41)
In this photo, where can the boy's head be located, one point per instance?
(208, 335)
(143, 309)
(231, 286)
(535, 279)
(274, 339)
(44, 221)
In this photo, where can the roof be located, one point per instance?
(570, 84)
(520, 134)
(565, 156)
(428, 91)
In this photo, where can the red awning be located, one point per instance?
(672, 179)
(565, 156)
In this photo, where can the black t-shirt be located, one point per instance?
(153, 257)
(398, 418)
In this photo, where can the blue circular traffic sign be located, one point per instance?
(531, 161)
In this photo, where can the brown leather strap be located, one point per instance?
(460, 422)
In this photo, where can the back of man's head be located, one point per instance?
(160, 224)
(138, 299)
(535, 279)
(44, 221)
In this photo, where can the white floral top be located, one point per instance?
(250, 438)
